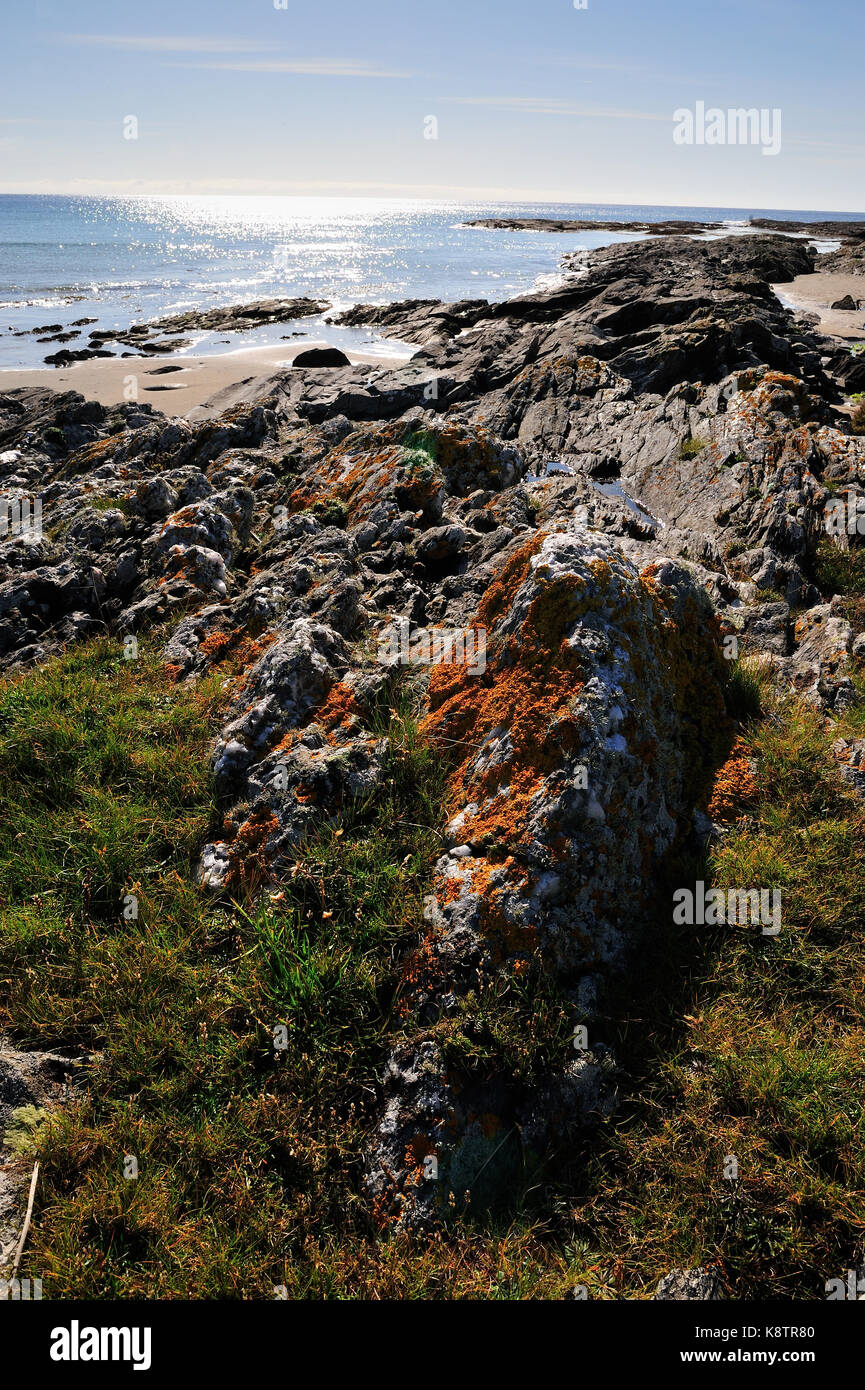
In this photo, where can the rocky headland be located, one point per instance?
(568, 224)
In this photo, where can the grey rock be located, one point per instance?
(682, 1285)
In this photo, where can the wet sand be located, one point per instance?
(814, 293)
(175, 384)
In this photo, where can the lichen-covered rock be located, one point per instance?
(682, 1285)
(580, 753)
(594, 726)
(609, 480)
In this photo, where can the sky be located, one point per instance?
(530, 100)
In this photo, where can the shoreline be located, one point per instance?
(174, 384)
(184, 381)
(814, 293)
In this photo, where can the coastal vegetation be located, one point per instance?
(249, 1159)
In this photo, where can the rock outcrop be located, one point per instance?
(164, 335)
(603, 483)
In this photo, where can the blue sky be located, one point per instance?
(534, 99)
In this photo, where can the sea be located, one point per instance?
(131, 259)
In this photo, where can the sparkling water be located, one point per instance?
(126, 260)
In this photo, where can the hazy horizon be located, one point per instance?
(597, 204)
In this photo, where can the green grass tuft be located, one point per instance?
(691, 447)
(839, 571)
(245, 1153)
(745, 688)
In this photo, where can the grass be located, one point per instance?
(759, 1057)
(245, 1152)
(746, 687)
(250, 1156)
(691, 447)
(330, 513)
(839, 571)
(419, 453)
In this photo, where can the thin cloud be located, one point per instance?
(308, 67)
(552, 106)
(168, 43)
(833, 145)
(203, 44)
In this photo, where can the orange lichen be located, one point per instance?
(290, 739)
(214, 643)
(505, 585)
(249, 649)
(523, 714)
(528, 690)
(238, 655)
(411, 466)
(339, 711)
(96, 451)
(254, 831)
(248, 851)
(305, 792)
(419, 972)
(511, 937)
(735, 785)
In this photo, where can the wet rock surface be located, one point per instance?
(162, 336)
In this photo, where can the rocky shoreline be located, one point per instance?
(852, 232)
(673, 227)
(610, 479)
(165, 335)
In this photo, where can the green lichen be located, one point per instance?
(25, 1129)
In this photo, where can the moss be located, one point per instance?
(25, 1130)
(55, 438)
(330, 512)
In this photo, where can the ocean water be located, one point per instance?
(127, 260)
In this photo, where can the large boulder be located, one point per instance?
(585, 747)
(321, 357)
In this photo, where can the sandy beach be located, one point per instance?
(174, 384)
(815, 293)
